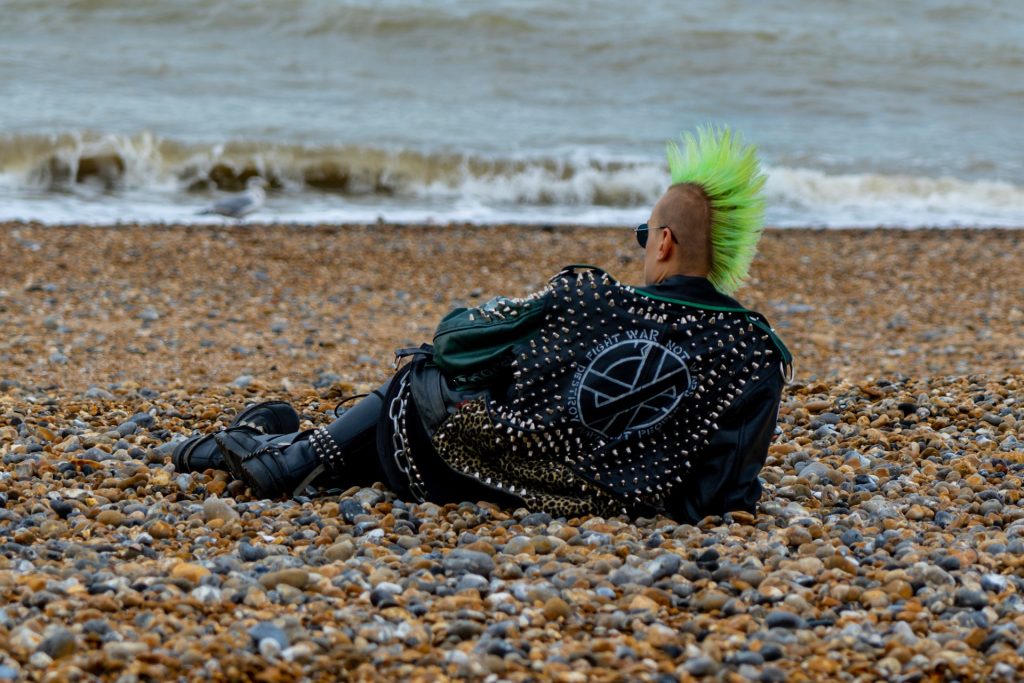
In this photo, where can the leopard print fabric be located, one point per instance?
(469, 443)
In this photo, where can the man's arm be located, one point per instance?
(724, 476)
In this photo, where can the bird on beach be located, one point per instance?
(240, 205)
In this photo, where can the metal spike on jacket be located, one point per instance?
(625, 387)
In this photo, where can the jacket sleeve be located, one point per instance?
(724, 477)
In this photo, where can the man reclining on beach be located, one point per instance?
(588, 397)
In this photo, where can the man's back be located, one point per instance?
(626, 387)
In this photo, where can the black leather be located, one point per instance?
(269, 417)
(724, 473)
(197, 454)
(432, 401)
(201, 453)
(271, 465)
(725, 477)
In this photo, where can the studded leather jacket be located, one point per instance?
(660, 399)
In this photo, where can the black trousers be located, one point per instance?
(355, 432)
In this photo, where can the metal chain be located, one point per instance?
(400, 438)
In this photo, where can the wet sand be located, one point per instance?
(888, 542)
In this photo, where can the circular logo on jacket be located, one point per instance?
(630, 386)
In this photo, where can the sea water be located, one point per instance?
(867, 113)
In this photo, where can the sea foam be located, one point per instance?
(96, 177)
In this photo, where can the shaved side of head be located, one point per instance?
(688, 211)
(686, 248)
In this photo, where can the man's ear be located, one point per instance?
(665, 245)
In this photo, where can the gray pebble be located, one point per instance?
(208, 595)
(369, 496)
(967, 597)
(97, 393)
(62, 508)
(464, 630)
(472, 582)
(663, 566)
(474, 562)
(817, 472)
(747, 657)
(626, 574)
(701, 666)
(536, 519)
(994, 583)
(365, 527)
(500, 648)
(384, 594)
(326, 379)
(60, 644)
(267, 630)
(784, 619)
(351, 508)
(126, 650)
(40, 660)
(126, 428)
(596, 539)
(143, 419)
(990, 506)
(215, 508)
(97, 454)
(251, 553)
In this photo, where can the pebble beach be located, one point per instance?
(889, 543)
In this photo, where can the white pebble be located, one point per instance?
(208, 595)
(270, 648)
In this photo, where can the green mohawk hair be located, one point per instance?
(730, 175)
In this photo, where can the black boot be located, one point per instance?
(273, 465)
(342, 453)
(196, 454)
(200, 453)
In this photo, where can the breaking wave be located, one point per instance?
(115, 162)
(603, 189)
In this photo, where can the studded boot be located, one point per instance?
(271, 465)
(201, 452)
(341, 453)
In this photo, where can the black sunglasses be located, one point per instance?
(642, 230)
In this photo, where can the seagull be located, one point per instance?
(242, 204)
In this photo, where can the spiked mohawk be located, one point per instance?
(730, 175)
